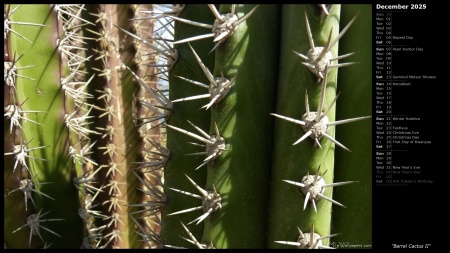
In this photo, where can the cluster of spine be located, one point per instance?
(78, 117)
(211, 185)
(106, 104)
(68, 41)
(320, 61)
(146, 58)
(152, 64)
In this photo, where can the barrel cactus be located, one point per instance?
(172, 126)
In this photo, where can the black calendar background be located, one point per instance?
(409, 213)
